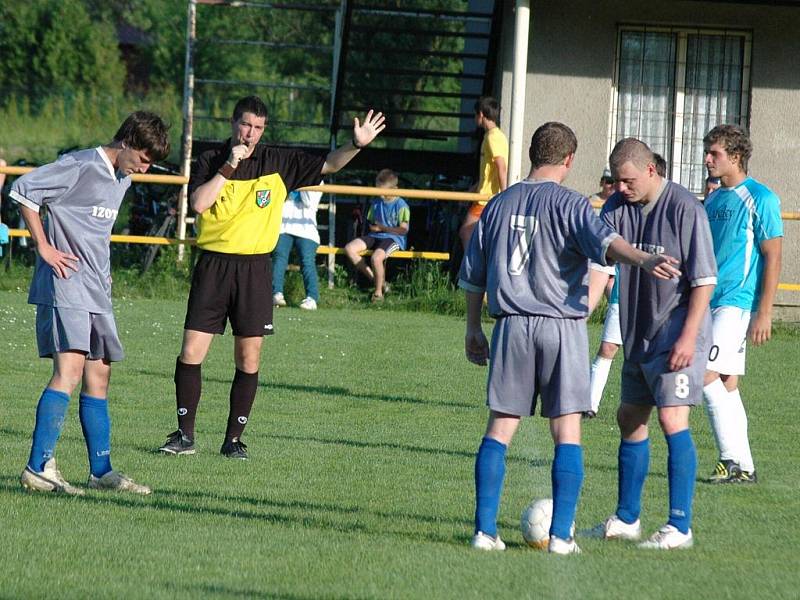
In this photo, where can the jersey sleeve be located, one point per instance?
(371, 213)
(404, 214)
(591, 235)
(46, 184)
(472, 275)
(697, 248)
(299, 169)
(202, 171)
(768, 223)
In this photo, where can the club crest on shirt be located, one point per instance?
(262, 198)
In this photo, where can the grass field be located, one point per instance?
(360, 484)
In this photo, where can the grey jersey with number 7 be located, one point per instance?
(529, 251)
(82, 194)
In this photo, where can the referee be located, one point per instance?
(238, 191)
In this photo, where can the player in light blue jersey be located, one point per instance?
(71, 288)
(529, 254)
(745, 219)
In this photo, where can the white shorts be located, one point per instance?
(729, 340)
(611, 330)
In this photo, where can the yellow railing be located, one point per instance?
(344, 190)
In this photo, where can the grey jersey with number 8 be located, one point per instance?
(653, 311)
(82, 194)
(529, 251)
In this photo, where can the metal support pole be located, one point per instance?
(521, 27)
(341, 15)
(188, 112)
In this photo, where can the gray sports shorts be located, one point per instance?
(63, 329)
(652, 383)
(534, 356)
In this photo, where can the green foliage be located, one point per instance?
(82, 119)
(425, 286)
(54, 48)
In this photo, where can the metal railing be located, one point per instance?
(334, 189)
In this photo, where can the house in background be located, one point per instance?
(667, 71)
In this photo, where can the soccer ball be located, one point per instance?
(535, 523)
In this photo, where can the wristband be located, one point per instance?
(226, 170)
(355, 144)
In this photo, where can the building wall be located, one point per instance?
(571, 58)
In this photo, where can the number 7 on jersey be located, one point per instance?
(525, 227)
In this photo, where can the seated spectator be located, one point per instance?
(298, 231)
(388, 218)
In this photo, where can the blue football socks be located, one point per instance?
(681, 471)
(96, 425)
(567, 476)
(50, 415)
(633, 463)
(490, 468)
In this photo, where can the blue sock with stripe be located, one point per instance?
(633, 461)
(50, 413)
(96, 425)
(567, 477)
(681, 472)
(490, 468)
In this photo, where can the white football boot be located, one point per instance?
(49, 480)
(559, 546)
(614, 528)
(668, 538)
(117, 482)
(481, 541)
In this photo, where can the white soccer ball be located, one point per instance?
(535, 523)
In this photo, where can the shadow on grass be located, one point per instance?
(536, 462)
(216, 590)
(161, 500)
(324, 390)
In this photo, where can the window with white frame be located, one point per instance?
(672, 85)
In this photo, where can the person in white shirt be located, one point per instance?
(298, 230)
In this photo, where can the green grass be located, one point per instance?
(360, 485)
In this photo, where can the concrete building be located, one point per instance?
(667, 71)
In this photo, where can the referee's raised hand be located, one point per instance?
(364, 133)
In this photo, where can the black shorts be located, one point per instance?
(388, 245)
(233, 287)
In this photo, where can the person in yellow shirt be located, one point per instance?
(493, 176)
(238, 191)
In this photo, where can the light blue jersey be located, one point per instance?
(741, 218)
(613, 297)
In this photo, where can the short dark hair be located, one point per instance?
(735, 141)
(250, 104)
(551, 144)
(661, 164)
(489, 107)
(633, 151)
(145, 131)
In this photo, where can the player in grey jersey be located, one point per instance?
(666, 332)
(529, 255)
(71, 289)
